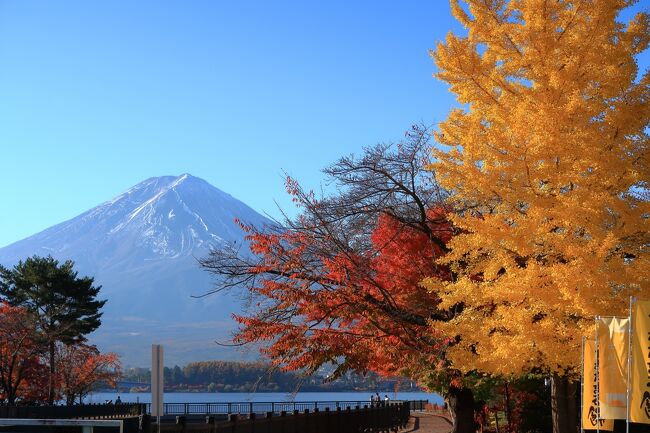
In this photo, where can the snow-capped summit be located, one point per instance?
(142, 247)
(159, 218)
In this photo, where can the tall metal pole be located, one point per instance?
(582, 387)
(597, 376)
(629, 364)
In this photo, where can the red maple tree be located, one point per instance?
(82, 367)
(367, 310)
(340, 283)
(21, 364)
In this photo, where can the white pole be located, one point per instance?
(629, 364)
(157, 382)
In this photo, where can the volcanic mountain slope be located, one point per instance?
(142, 247)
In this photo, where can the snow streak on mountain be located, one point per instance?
(142, 248)
(161, 218)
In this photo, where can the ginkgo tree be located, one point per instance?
(547, 163)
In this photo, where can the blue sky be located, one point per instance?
(97, 96)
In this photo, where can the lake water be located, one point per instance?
(218, 397)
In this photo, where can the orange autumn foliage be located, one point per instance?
(550, 149)
(22, 370)
(82, 367)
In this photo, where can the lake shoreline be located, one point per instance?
(218, 397)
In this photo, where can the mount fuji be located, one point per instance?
(142, 247)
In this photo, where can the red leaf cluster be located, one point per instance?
(24, 371)
(362, 311)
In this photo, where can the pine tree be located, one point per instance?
(547, 163)
(66, 306)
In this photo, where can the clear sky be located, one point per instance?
(98, 96)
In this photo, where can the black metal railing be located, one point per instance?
(237, 417)
(375, 419)
(275, 407)
(417, 404)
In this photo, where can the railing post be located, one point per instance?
(327, 421)
(306, 420)
(269, 416)
(337, 421)
(232, 418)
(405, 413)
(348, 420)
(283, 422)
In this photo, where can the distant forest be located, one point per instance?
(229, 376)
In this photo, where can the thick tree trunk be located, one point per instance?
(461, 406)
(564, 404)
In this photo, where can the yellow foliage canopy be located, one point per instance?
(548, 164)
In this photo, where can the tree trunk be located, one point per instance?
(564, 400)
(507, 405)
(50, 391)
(11, 387)
(461, 406)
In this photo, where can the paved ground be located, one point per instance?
(426, 422)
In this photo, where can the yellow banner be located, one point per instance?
(640, 374)
(613, 340)
(590, 391)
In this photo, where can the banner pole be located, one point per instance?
(582, 387)
(597, 374)
(629, 365)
